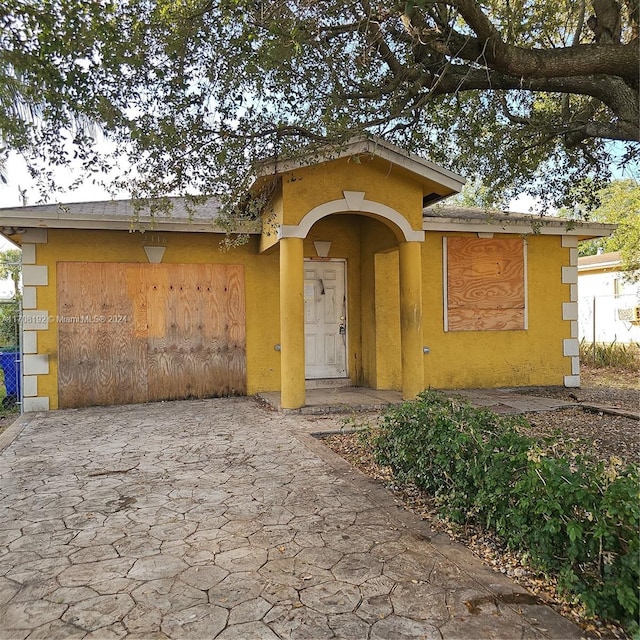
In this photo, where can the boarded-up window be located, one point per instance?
(485, 284)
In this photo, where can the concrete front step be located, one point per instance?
(336, 400)
(328, 383)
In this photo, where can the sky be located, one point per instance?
(19, 180)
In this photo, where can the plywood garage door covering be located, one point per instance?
(143, 332)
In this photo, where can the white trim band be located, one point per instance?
(353, 201)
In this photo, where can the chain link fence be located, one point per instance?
(10, 354)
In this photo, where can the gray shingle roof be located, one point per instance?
(184, 215)
(177, 214)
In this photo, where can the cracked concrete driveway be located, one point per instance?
(219, 519)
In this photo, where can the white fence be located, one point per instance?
(609, 318)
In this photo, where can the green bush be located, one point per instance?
(9, 324)
(574, 517)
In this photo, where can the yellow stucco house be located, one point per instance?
(348, 276)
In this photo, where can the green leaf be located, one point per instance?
(574, 530)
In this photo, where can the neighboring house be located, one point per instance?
(609, 305)
(347, 275)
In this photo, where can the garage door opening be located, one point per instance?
(130, 333)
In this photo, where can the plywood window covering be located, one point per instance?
(485, 287)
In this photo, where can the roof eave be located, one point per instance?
(16, 223)
(540, 226)
(608, 266)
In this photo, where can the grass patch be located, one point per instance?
(611, 354)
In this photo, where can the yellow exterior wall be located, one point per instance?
(292, 328)
(387, 310)
(306, 188)
(272, 218)
(262, 289)
(466, 359)
(356, 239)
(376, 238)
(456, 360)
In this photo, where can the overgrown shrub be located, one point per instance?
(574, 517)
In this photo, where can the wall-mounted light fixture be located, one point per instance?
(322, 248)
(154, 254)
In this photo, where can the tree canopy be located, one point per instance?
(11, 268)
(522, 94)
(621, 206)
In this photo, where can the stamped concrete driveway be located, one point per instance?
(219, 519)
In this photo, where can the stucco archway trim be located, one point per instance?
(356, 202)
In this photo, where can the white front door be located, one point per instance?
(325, 319)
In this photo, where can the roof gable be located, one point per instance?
(422, 170)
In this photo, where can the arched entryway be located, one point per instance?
(358, 229)
(365, 178)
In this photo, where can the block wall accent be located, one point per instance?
(574, 328)
(30, 386)
(38, 403)
(575, 365)
(572, 381)
(35, 236)
(28, 253)
(33, 320)
(29, 298)
(35, 364)
(570, 346)
(570, 241)
(29, 341)
(574, 293)
(35, 275)
(569, 275)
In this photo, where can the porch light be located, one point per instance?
(154, 254)
(322, 248)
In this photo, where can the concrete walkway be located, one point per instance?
(221, 519)
(349, 399)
